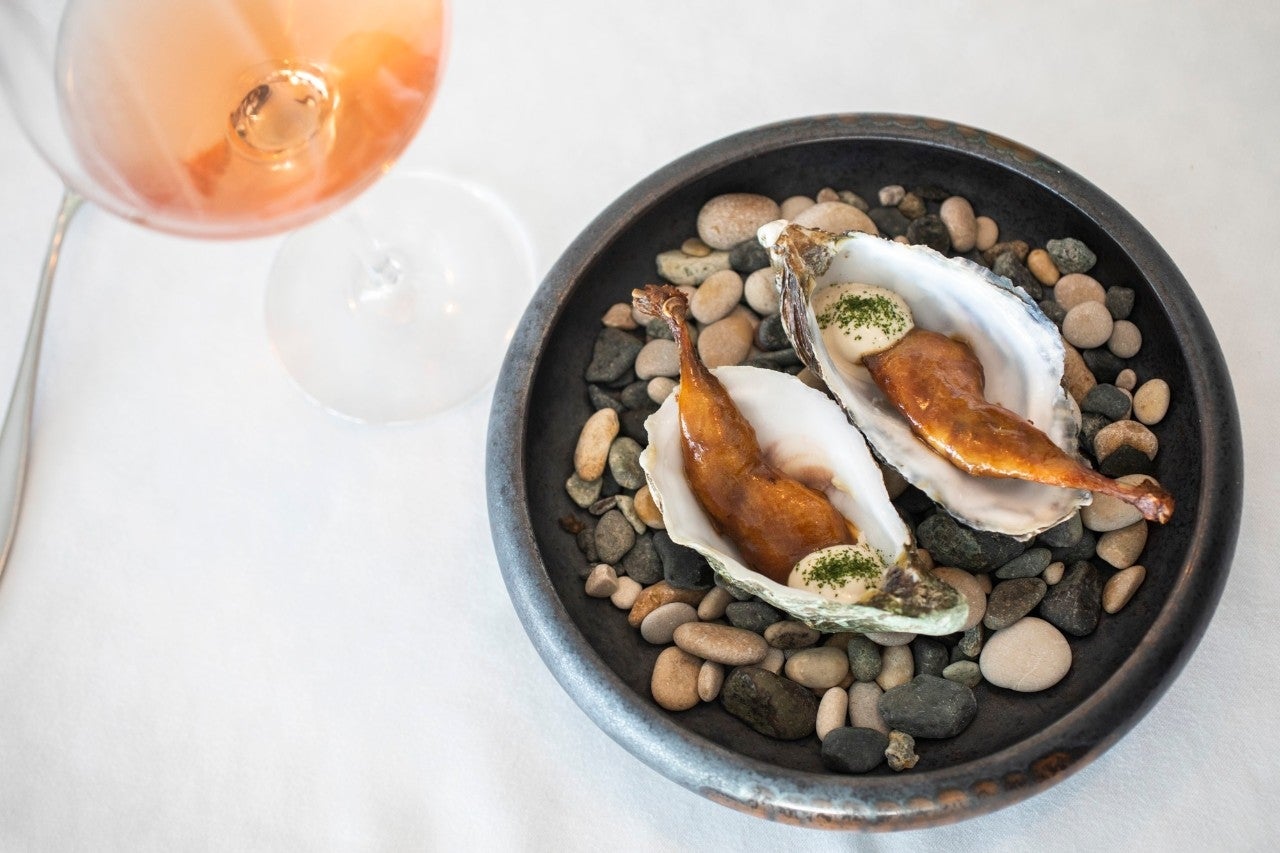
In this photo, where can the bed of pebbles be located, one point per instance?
(866, 697)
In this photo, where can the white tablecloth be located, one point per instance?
(232, 621)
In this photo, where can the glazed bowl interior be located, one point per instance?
(1018, 742)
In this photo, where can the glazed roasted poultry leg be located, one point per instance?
(774, 520)
(937, 384)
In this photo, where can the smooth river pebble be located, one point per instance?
(1151, 401)
(962, 226)
(832, 711)
(729, 219)
(968, 586)
(761, 293)
(721, 643)
(716, 296)
(1027, 656)
(592, 451)
(674, 683)
(818, 668)
(1121, 587)
(1087, 325)
(661, 624)
(836, 217)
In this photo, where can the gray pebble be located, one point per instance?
(636, 395)
(952, 544)
(627, 506)
(864, 659)
(583, 492)
(1074, 604)
(929, 707)
(683, 568)
(752, 615)
(851, 198)
(1103, 363)
(1008, 265)
(1082, 550)
(931, 656)
(771, 335)
(624, 462)
(612, 355)
(586, 540)
(1119, 301)
(965, 672)
(602, 399)
(769, 703)
(761, 292)
(614, 536)
(1070, 255)
(889, 220)
(1028, 564)
(853, 750)
(642, 563)
(603, 505)
(1011, 600)
(1108, 400)
(749, 256)
(1065, 533)
(929, 230)
(1055, 312)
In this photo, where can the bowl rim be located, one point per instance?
(900, 801)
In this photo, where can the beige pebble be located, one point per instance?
(619, 317)
(1043, 267)
(761, 292)
(653, 597)
(793, 205)
(748, 315)
(790, 634)
(912, 206)
(890, 638)
(592, 451)
(819, 668)
(902, 240)
(1107, 513)
(647, 508)
(968, 586)
(721, 643)
(1121, 548)
(1077, 378)
(840, 639)
(624, 597)
(826, 194)
(1126, 380)
(716, 296)
(695, 248)
(988, 233)
(984, 581)
(898, 666)
(962, 226)
(678, 268)
(659, 625)
(723, 342)
(832, 711)
(1077, 287)
(864, 706)
(602, 582)
(727, 220)
(713, 606)
(674, 683)
(626, 505)
(774, 661)
(836, 217)
(1125, 340)
(1151, 401)
(892, 195)
(660, 388)
(1132, 433)
(1027, 656)
(1121, 587)
(924, 558)
(1054, 572)
(710, 680)
(1087, 325)
(659, 357)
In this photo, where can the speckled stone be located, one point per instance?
(1087, 325)
(1091, 423)
(624, 463)
(930, 656)
(971, 641)
(912, 206)
(1011, 268)
(674, 683)
(1074, 604)
(583, 492)
(864, 659)
(1120, 589)
(853, 750)
(1076, 288)
(1028, 564)
(602, 399)
(954, 545)
(1011, 600)
(1055, 312)
(614, 536)
(1151, 402)
(752, 615)
(1064, 533)
(1029, 656)
(1119, 301)
(612, 355)
(749, 256)
(1107, 400)
(770, 704)
(1125, 340)
(964, 672)
(1070, 255)
(1054, 572)
(929, 230)
(681, 269)
(729, 219)
(929, 706)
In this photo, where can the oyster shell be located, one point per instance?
(809, 438)
(1020, 350)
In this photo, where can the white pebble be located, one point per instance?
(660, 388)
(836, 217)
(898, 666)
(832, 711)
(1027, 656)
(761, 292)
(727, 220)
(892, 195)
(1121, 587)
(988, 233)
(723, 342)
(968, 586)
(1087, 325)
(624, 597)
(796, 203)
(1151, 401)
(710, 680)
(1125, 340)
(1126, 380)
(716, 296)
(864, 706)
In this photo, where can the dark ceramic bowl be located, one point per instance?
(1020, 743)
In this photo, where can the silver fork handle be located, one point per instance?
(16, 434)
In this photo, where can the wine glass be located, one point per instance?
(238, 118)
